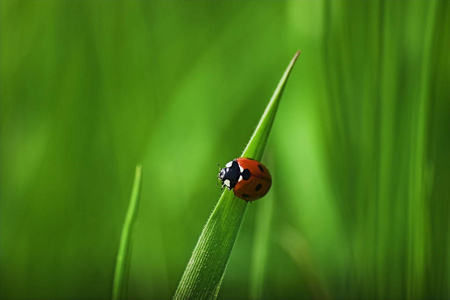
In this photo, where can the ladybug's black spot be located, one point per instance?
(246, 174)
(258, 187)
(245, 196)
(261, 168)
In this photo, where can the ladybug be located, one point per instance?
(249, 179)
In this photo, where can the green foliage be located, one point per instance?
(359, 153)
(120, 283)
(206, 268)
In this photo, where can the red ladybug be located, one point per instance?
(249, 179)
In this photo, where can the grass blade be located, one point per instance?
(204, 272)
(418, 223)
(256, 145)
(123, 256)
(260, 251)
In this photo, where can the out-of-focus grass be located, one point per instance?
(122, 270)
(360, 147)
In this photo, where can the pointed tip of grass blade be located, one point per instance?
(205, 270)
(256, 145)
(123, 255)
(139, 169)
(297, 54)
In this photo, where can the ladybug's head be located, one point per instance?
(223, 176)
(229, 175)
(222, 173)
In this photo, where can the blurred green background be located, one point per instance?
(359, 152)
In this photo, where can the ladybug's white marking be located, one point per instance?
(228, 165)
(240, 178)
(227, 183)
(241, 168)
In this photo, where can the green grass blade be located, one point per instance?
(256, 145)
(260, 251)
(123, 256)
(418, 223)
(204, 272)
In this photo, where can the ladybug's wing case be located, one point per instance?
(252, 190)
(257, 185)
